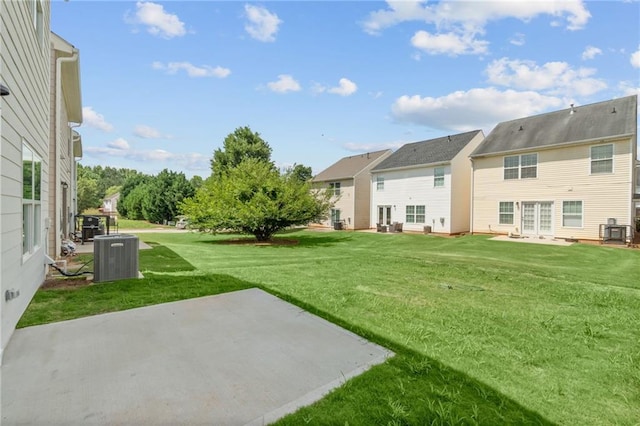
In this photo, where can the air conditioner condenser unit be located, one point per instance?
(115, 257)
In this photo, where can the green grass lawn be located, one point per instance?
(486, 332)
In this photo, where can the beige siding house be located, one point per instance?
(426, 184)
(66, 144)
(24, 156)
(566, 174)
(350, 180)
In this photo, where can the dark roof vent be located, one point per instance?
(520, 129)
(613, 111)
(572, 109)
(449, 138)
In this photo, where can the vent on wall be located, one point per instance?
(115, 257)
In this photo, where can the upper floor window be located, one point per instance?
(334, 187)
(602, 159)
(438, 176)
(523, 166)
(380, 183)
(31, 199)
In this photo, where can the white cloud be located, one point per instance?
(147, 132)
(518, 39)
(262, 25)
(158, 22)
(285, 83)
(459, 23)
(177, 161)
(448, 43)
(93, 119)
(472, 109)
(192, 70)
(345, 87)
(120, 144)
(635, 58)
(591, 52)
(474, 15)
(552, 77)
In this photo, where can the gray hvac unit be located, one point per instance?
(115, 257)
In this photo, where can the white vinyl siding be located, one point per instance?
(506, 213)
(602, 159)
(572, 214)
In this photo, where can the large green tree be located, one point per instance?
(164, 193)
(238, 146)
(254, 198)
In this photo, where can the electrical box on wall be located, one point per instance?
(115, 257)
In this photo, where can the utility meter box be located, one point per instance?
(115, 257)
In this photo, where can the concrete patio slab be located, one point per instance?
(242, 358)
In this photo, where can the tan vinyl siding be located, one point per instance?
(563, 175)
(461, 187)
(24, 67)
(362, 202)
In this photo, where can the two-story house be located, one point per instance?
(426, 184)
(562, 174)
(349, 180)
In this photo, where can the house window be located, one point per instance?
(511, 165)
(438, 177)
(506, 213)
(602, 159)
(31, 199)
(572, 214)
(380, 183)
(521, 166)
(334, 187)
(528, 166)
(415, 214)
(38, 19)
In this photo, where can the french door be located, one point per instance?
(537, 218)
(384, 215)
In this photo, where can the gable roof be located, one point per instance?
(616, 117)
(349, 167)
(431, 151)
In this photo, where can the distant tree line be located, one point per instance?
(143, 197)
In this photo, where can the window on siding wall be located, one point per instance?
(415, 214)
(521, 166)
(38, 20)
(380, 183)
(572, 214)
(438, 177)
(511, 165)
(334, 187)
(506, 213)
(31, 199)
(602, 159)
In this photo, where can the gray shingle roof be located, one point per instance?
(587, 122)
(349, 167)
(427, 152)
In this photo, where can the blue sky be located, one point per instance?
(163, 83)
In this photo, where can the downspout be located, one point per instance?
(56, 222)
(74, 178)
(471, 212)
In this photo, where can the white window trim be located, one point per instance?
(34, 224)
(437, 178)
(513, 220)
(581, 215)
(520, 167)
(332, 187)
(591, 160)
(379, 183)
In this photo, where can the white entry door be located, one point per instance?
(537, 218)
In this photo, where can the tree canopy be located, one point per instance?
(254, 198)
(240, 145)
